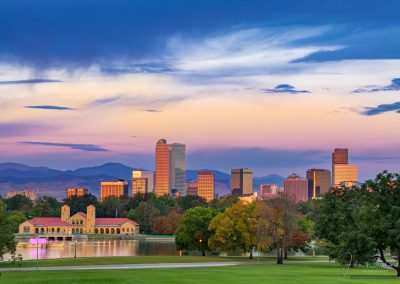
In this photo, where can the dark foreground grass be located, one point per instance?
(137, 260)
(297, 273)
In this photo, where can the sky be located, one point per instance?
(269, 85)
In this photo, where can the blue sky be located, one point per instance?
(138, 67)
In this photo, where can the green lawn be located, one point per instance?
(138, 260)
(296, 273)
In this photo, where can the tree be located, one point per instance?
(19, 203)
(46, 206)
(7, 242)
(111, 207)
(221, 205)
(193, 233)
(167, 225)
(80, 203)
(342, 222)
(145, 214)
(234, 229)
(16, 218)
(368, 223)
(285, 230)
(191, 201)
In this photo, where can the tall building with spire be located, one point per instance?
(170, 175)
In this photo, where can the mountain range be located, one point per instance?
(47, 181)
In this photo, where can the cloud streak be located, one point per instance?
(50, 107)
(394, 86)
(29, 81)
(81, 147)
(284, 89)
(380, 109)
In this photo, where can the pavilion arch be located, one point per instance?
(107, 231)
(102, 231)
(96, 231)
(112, 231)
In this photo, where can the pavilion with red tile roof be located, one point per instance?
(79, 223)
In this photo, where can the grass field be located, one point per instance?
(298, 273)
(138, 260)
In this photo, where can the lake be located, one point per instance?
(100, 247)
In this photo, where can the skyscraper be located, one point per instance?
(342, 172)
(163, 166)
(170, 172)
(319, 182)
(142, 181)
(205, 185)
(296, 188)
(241, 182)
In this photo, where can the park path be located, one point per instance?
(147, 266)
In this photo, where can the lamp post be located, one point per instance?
(201, 241)
(75, 248)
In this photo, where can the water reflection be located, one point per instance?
(95, 248)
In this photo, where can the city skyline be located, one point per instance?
(271, 87)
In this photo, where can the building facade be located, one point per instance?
(32, 195)
(296, 188)
(319, 182)
(113, 188)
(79, 223)
(345, 174)
(178, 167)
(269, 191)
(192, 187)
(206, 185)
(142, 181)
(76, 191)
(241, 182)
(342, 171)
(162, 174)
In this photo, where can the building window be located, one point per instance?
(26, 230)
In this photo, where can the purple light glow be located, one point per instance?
(37, 241)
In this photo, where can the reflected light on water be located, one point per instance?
(96, 248)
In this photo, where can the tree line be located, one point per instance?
(355, 225)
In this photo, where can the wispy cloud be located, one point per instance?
(82, 147)
(149, 67)
(394, 86)
(380, 109)
(29, 81)
(105, 100)
(246, 50)
(50, 107)
(284, 89)
(21, 129)
(152, 110)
